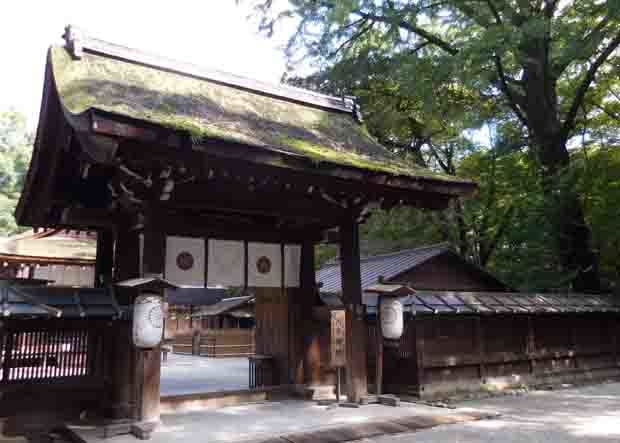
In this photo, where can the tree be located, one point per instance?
(15, 151)
(546, 60)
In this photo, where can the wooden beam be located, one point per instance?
(356, 327)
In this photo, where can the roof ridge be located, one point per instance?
(442, 245)
(77, 42)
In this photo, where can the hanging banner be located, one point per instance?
(185, 261)
(265, 265)
(226, 263)
(292, 265)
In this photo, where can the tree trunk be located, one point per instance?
(572, 234)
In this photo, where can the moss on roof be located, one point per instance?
(208, 110)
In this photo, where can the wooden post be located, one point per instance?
(419, 353)
(531, 343)
(310, 347)
(148, 368)
(121, 395)
(104, 261)
(613, 325)
(479, 334)
(379, 352)
(357, 329)
(574, 340)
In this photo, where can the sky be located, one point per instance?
(210, 33)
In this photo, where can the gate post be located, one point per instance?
(356, 326)
(148, 369)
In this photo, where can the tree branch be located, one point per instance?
(592, 40)
(507, 92)
(494, 11)
(431, 38)
(363, 30)
(585, 84)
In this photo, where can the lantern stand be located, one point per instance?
(389, 294)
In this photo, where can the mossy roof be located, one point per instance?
(210, 110)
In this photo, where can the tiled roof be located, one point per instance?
(386, 265)
(224, 306)
(456, 303)
(63, 302)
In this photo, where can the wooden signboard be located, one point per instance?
(338, 339)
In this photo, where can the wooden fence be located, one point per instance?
(444, 354)
(217, 343)
(40, 351)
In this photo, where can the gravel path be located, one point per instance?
(585, 414)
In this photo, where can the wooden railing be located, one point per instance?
(217, 343)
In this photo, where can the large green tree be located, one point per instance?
(15, 151)
(549, 62)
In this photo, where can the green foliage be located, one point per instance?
(428, 73)
(15, 151)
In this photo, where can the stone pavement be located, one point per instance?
(589, 414)
(295, 420)
(187, 374)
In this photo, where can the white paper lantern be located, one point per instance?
(392, 322)
(148, 320)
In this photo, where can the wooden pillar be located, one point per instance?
(310, 346)
(121, 352)
(531, 344)
(615, 330)
(356, 326)
(379, 351)
(479, 337)
(104, 261)
(148, 366)
(419, 353)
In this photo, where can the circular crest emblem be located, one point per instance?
(263, 265)
(185, 261)
(156, 317)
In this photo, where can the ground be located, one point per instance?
(586, 414)
(583, 414)
(186, 374)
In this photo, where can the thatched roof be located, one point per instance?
(125, 82)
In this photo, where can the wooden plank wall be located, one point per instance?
(463, 353)
(272, 328)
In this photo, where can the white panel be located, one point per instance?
(42, 272)
(185, 261)
(87, 276)
(226, 263)
(72, 276)
(264, 265)
(56, 274)
(292, 265)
